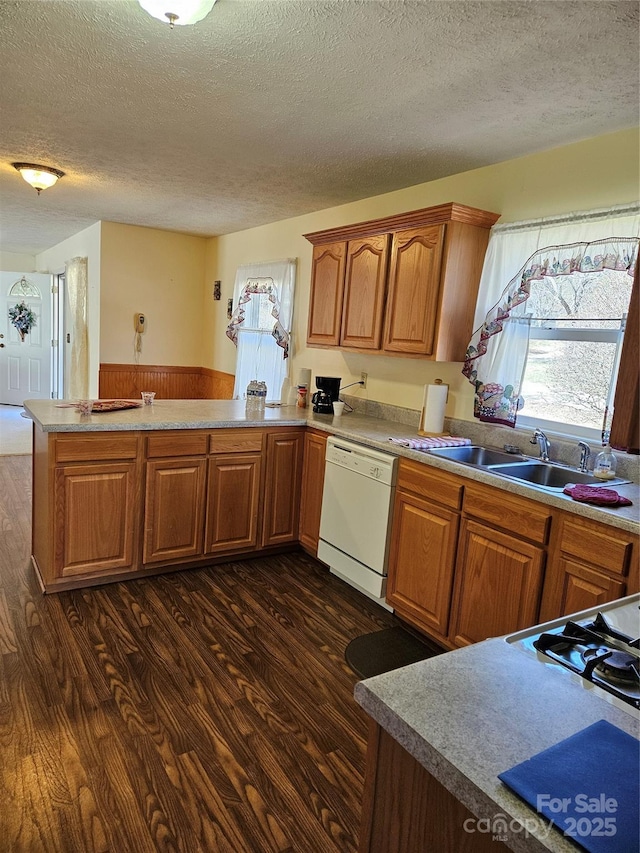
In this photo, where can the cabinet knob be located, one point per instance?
(1, 345)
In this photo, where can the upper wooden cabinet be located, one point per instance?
(325, 308)
(403, 285)
(414, 289)
(365, 286)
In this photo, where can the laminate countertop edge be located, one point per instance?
(369, 431)
(470, 714)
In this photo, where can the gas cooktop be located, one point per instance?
(599, 647)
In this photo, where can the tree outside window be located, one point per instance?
(576, 329)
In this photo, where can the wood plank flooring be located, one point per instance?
(208, 710)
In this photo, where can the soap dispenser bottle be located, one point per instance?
(605, 465)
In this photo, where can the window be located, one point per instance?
(260, 325)
(575, 338)
(548, 350)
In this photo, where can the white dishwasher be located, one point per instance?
(355, 522)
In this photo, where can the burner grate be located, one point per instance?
(598, 653)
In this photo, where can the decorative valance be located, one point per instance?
(264, 285)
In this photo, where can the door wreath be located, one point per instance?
(23, 318)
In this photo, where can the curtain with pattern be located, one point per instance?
(561, 245)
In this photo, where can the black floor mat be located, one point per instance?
(382, 651)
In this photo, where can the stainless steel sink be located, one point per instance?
(474, 455)
(549, 476)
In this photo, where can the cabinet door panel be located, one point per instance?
(327, 289)
(421, 564)
(233, 502)
(315, 446)
(282, 487)
(498, 583)
(96, 516)
(365, 283)
(174, 509)
(414, 290)
(583, 588)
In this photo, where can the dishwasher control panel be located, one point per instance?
(362, 460)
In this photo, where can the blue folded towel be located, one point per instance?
(588, 785)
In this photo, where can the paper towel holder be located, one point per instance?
(422, 414)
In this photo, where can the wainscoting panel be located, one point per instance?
(169, 383)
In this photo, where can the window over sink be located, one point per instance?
(576, 329)
(548, 351)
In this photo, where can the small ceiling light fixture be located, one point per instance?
(179, 12)
(40, 177)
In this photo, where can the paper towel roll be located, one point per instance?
(304, 377)
(433, 406)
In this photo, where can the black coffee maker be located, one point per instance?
(327, 393)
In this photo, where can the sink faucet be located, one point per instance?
(542, 441)
(585, 453)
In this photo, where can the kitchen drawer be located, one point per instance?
(602, 546)
(438, 486)
(512, 513)
(236, 441)
(96, 447)
(181, 443)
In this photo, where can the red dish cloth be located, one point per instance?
(596, 495)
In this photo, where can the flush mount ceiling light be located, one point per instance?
(179, 12)
(40, 177)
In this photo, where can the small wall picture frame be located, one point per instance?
(229, 309)
(217, 290)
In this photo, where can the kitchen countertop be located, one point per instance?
(50, 416)
(470, 714)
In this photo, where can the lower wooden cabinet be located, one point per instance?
(590, 564)
(282, 487)
(315, 448)
(233, 502)
(96, 512)
(125, 502)
(174, 509)
(468, 561)
(498, 584)
(422, 562)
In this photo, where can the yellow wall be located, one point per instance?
(595, 173)
(11, 261)
(159, 274)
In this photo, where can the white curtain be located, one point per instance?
(260, 326)
(76, 282)
(518, 254)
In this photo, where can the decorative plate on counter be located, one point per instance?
(114, 405)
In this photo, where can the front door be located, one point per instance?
(25, 365)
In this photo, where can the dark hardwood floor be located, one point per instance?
(207, 710)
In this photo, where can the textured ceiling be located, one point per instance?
(272, 108)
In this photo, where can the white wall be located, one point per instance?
(85, 244)
(592, 174)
